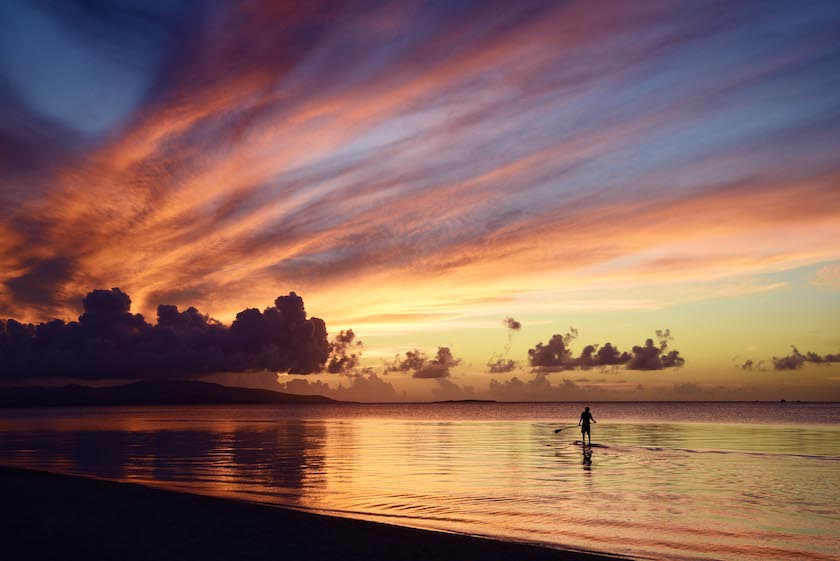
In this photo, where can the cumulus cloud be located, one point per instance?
(554, 355)
(654, 357)
(108, 341)
(421, 366)
(413, 360)
(342, 356)
(557, 356)
(498, 365)
(795, 360)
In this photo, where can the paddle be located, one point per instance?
(564, 428)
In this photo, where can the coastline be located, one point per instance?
(56, 516)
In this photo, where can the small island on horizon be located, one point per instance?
(467, 401)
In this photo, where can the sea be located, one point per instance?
(663, 481)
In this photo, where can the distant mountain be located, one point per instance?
(161, 392)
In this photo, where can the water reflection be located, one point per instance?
(277, 460)
(587, 459)
(775, 487)
(177, 455)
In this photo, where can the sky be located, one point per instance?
(420, 173)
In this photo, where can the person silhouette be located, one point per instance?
(585, 417)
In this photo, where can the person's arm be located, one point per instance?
(581, 419)
(592, 418)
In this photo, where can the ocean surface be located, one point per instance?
(734, 481)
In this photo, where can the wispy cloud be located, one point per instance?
(827, 276)
(429, 162)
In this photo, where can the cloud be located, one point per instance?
(415, 361)
(342, 359)
(705, 391)
(828, 276)
(448, 390)
(687, 388)
(335, 179)
(654, 357)
(501, 365)
(539, 388)
(41, 285)
(749, 364)
(439, 366)
(110, 342)
(512, 326)
(366, 386)
(556, 355)
(796, 360)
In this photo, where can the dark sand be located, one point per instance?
(49, 516)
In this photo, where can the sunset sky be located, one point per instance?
(419, 171)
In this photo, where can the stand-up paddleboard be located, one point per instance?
(579, 443)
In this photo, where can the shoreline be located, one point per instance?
(57, 516)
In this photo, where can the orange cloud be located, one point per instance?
(442, 181)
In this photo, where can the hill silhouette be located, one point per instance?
(149, 392)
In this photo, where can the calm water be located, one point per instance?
(672, 481)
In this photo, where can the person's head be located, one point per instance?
(587, 409)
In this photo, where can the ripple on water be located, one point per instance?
(678, 481)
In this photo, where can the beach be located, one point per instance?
(52, 516)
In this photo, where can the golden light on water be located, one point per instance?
(657, 485)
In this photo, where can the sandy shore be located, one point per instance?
(49, 516)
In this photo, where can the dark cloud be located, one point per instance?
(556, 355)
(512, 326)
(414, 360)
(654, 357)
(796, 360)
(663, 336)
(40, 286)
(610, 355)
(342, 356)
(108, 341)
(752, 365)
(501, 365)
(421, 366)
